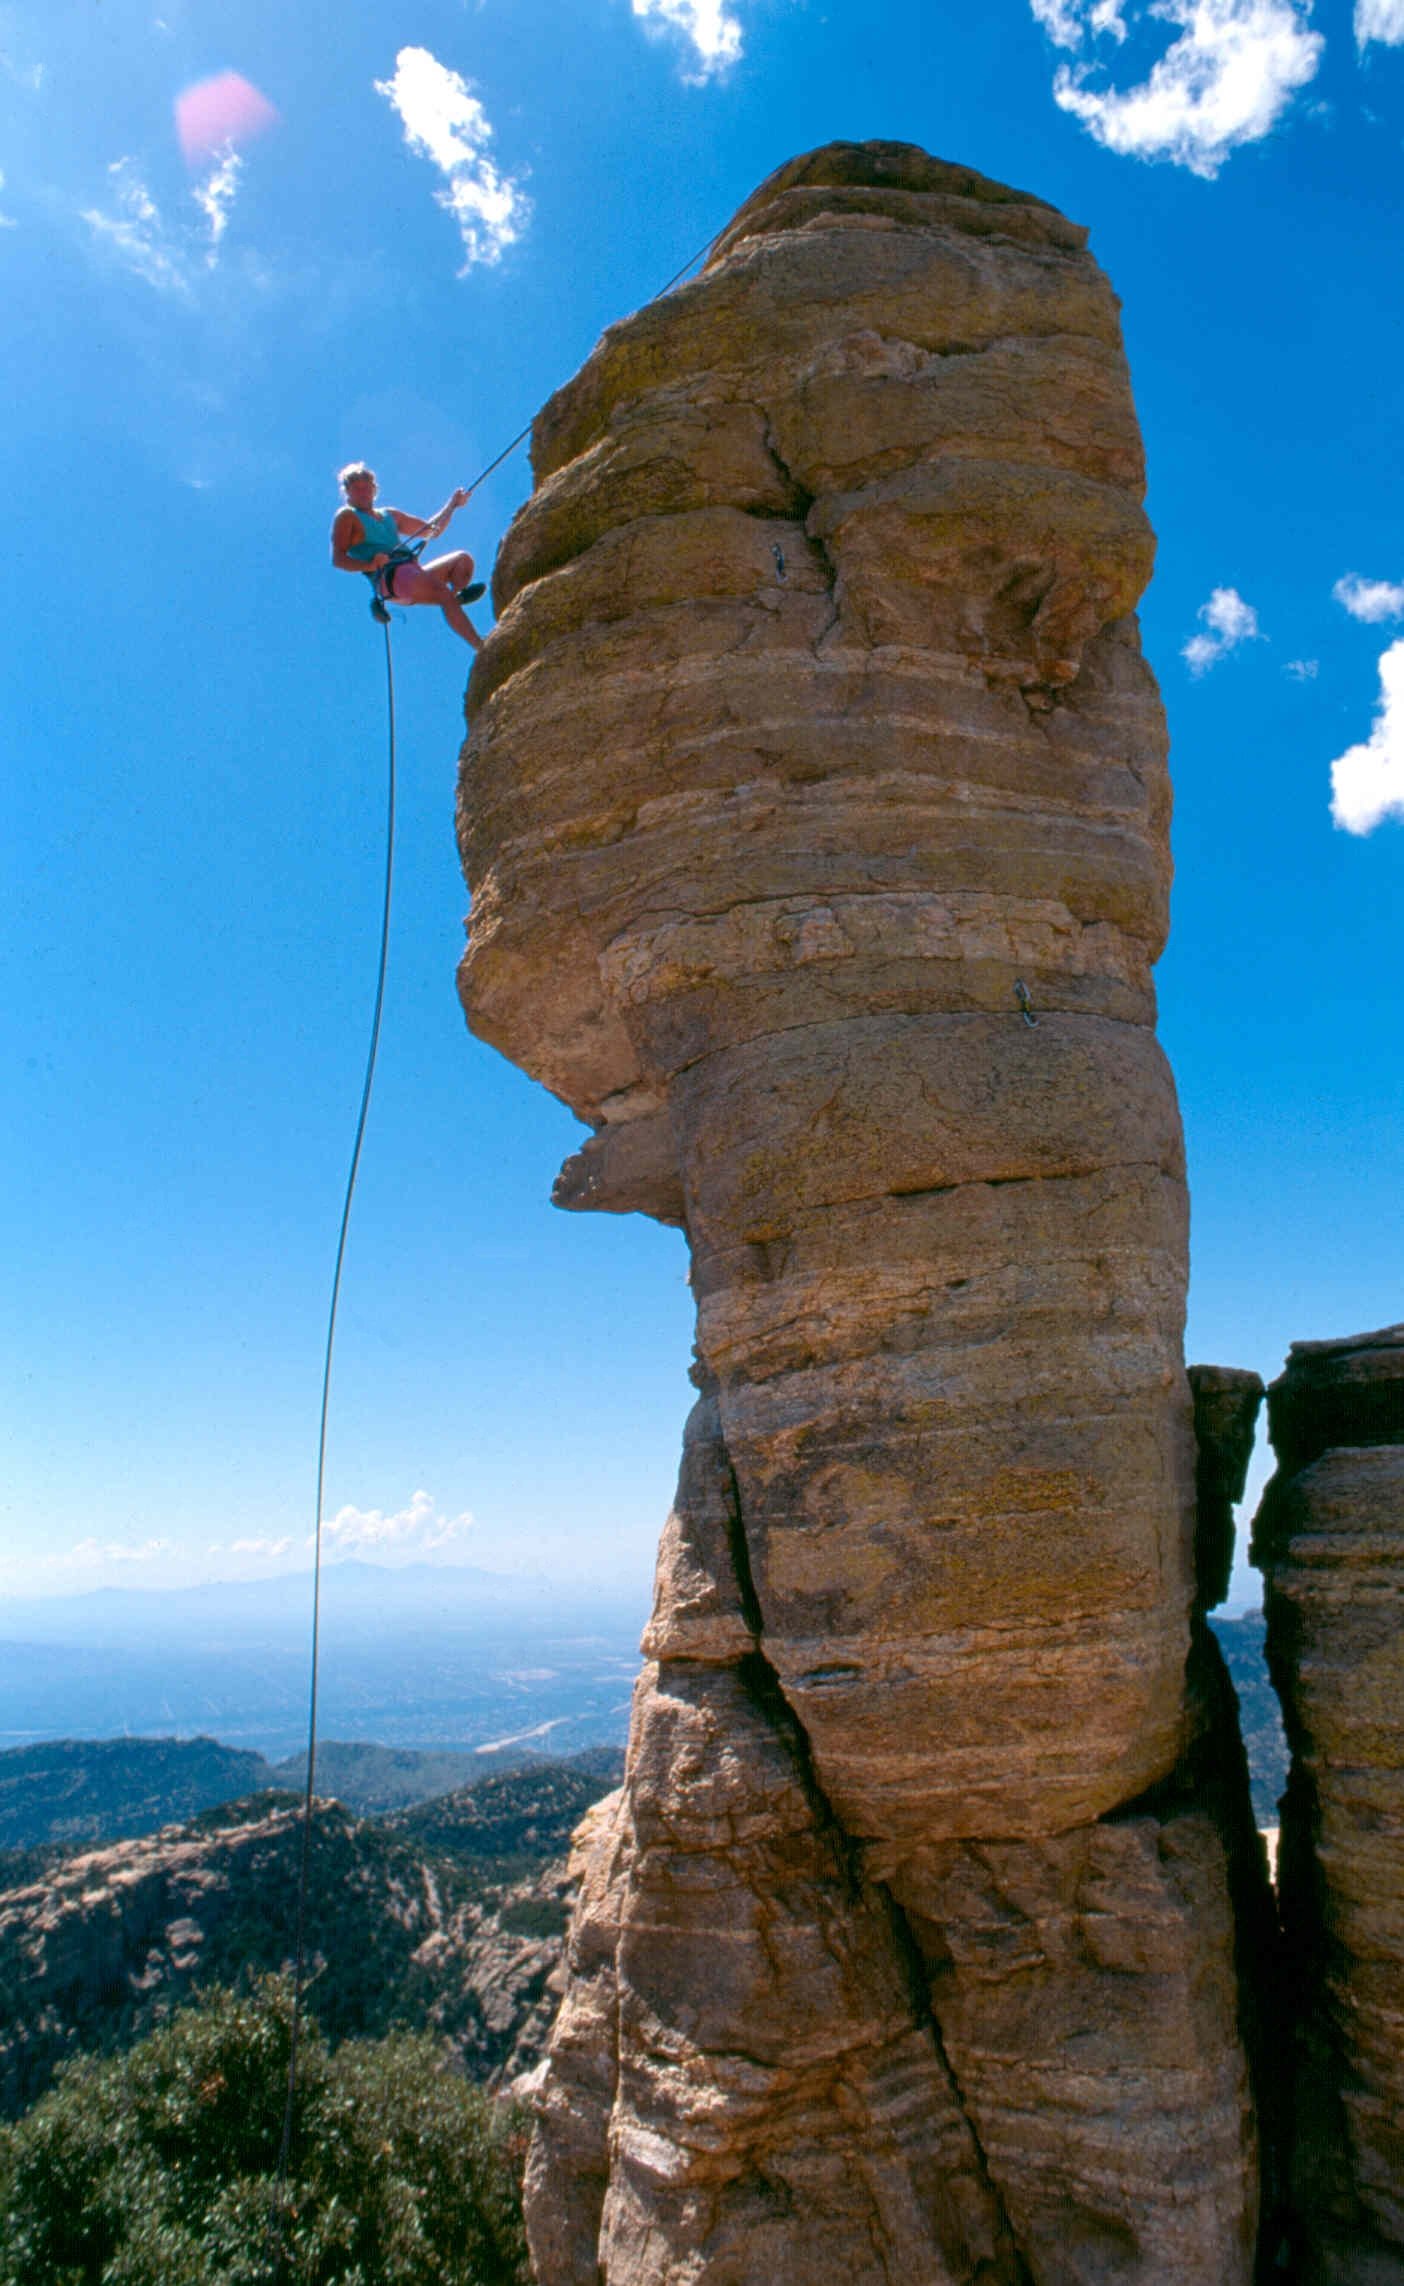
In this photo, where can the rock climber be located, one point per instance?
(372, 540)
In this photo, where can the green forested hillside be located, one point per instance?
(373, 1779)
(1259, 1715)
(453, 1927)
(515, 1817)
(71, 1791)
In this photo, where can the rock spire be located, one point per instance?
(1329, 1538)
(815, 809)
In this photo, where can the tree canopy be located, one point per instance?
(158, 2167)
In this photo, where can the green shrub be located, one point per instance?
(158, 2167)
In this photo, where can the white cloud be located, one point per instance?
(86, 1564)
(715, 36)
(1373, 600)
(1367, 782)
(215, 196)
(85, 1553)
(1381, 20)
(1061, 20)
(1303, 670)
(7, 221)
(418, 1530)
(1066, 20)
(259, 1547)
(28, 75)
(137, 234)
(1230, 621)
(1225, 81)
(445, 123)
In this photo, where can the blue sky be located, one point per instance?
(423, 219)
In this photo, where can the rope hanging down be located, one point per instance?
(279, 2202)
(300, 1937)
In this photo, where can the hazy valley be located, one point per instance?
(417, 1656)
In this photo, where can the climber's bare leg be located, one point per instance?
(457, 569)
(439, 583)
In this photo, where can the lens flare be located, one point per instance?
(219, 114)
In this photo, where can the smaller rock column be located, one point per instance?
(1329, 1539)
(1226, 1403)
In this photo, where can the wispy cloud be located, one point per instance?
(168, 255)
(1065, 21)
(135, 232)
(85, 1564)
(445, 123)
(27, 75)
(1225, 81)
(1228, 621)
(7, 221)
(416, 1530)
(1373, 600)
(85, 1554)
(1303, 670)
(215, 196)
(715, 37)
(1367, 782)
(1381, 20)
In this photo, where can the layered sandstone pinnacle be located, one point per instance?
(1330, 1540)
(815, 810)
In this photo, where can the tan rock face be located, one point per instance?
(815, 811)
(1330, 1540)
(1226, 1402)
(1085, 1990)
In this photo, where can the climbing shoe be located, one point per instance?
(474, 593)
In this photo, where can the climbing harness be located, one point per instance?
(410, 553)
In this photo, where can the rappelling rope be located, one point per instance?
(300, 1939)
(523, 434)
(279, 2202)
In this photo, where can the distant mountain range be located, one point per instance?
(357, 1598)
(419, 1655)
(442, 1660)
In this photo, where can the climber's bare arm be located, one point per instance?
(348, 532)
(416, 527)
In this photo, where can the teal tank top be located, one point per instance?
(381, 537)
